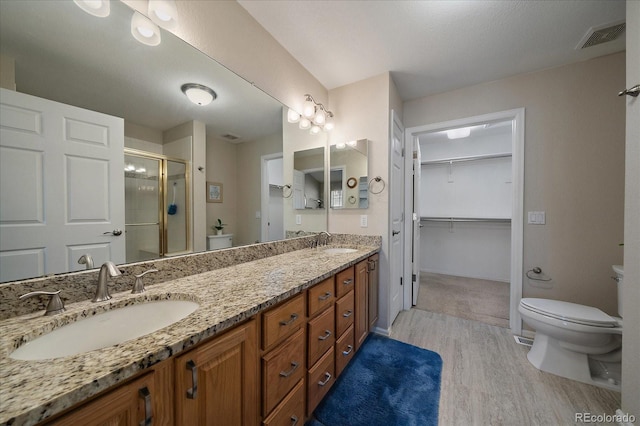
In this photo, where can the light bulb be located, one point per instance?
(304, 123)
(292, 116)
(328, 124)
(320, 117)
(163, 13)
(341, 145)
(352, 143)
(314, 130)
(145, 31)
(308, 108)
(99, 8)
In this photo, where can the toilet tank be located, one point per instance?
(619, 270)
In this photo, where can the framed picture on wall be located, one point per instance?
(214, 192)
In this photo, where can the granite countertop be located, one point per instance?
(31, 391)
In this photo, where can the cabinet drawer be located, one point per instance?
(282, 368)
(319, 380)
(345, 348)
(321, 334)
(344, 281)
(282, 321)
(291, 410)
(321, 296)
(344, 313)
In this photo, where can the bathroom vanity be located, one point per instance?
(267, 342)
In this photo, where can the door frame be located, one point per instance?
(517, 117)
(264, 193)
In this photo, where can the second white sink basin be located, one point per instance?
(339, 250)
(106, 329)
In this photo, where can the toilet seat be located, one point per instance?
(570, 312)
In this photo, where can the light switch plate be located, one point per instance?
(298, 219)
(364, 221)
(536, 218)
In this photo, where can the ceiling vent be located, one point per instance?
(601, 34)
(230, 137)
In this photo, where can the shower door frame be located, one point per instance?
(163, 198)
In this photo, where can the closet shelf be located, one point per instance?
(465, 219)
(470, 158)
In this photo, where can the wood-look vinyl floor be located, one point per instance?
(470, 298)
(487, 379)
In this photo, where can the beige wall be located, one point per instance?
(222, 157)
(249, 166)
(362, 112)
(574, 169)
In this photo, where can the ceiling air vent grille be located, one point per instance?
(601, 34)
(230, 137)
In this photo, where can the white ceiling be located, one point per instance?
(434, 46)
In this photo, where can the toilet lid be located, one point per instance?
(567, 311)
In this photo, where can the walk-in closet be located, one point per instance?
(465, 198)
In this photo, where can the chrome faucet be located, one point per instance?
(87, 260)
(108, 269)
(326, 239)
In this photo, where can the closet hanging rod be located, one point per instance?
(470, 158)
(465, 219)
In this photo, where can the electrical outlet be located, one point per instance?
(363, 221)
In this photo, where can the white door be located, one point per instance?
(396, 194)
(272, 204)
(417, 175)
(299, 202)
(61, 187)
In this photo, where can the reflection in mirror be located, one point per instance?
(308, 186)
(304, 168)
(349, 175)
(56, 52)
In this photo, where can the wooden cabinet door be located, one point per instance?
(361, 302)
(217, 382)
(374, 274)
(130, 404)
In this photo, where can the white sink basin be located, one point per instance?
(106, 329)
(339, 250)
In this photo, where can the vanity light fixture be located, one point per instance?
(315, 116)
(164, 13)
(198, 94)
(99, 8)
(460, 133)
(145, 31)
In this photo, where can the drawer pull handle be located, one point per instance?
(348, 313)
(348, 282)
(192, 393)
(294, 367)
(327, 333)
(372, 265)
(289, 321)
(325, 296)
(327, 377)
(294, 420)
(348, 351)
(148, 410)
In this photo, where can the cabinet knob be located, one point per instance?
(294, 317)
(325, 296)
(327, 377)
(294, 367)
(192, 393)
(148, 409)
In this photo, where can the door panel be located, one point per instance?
(61, 185)
(397, 203)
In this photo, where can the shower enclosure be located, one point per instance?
(157, 206)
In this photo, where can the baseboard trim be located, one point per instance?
(382, 331)
(432, 271)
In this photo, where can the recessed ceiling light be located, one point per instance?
(198, 94)
(164, 13)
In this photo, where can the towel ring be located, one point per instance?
(377, 179)
(284, 191)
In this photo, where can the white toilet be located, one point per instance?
(576, 341)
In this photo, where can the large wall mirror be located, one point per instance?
(308, 188)
(55, 51)
(349, 175)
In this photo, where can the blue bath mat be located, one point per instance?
(387, 383)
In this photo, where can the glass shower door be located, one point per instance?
(143, 201)
(177, 208)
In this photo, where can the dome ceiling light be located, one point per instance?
(199, 94)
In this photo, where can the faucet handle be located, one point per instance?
(138, 286)
(55, 305)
